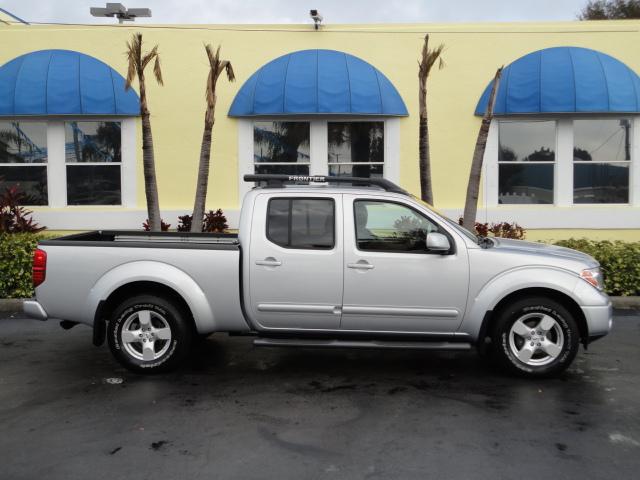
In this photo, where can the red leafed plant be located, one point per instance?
(163, 226)
(14, 218)
(213, 222)
(500, 229)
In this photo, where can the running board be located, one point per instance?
(378, 344)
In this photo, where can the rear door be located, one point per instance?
(295, 256)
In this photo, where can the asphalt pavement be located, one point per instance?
(68, 411)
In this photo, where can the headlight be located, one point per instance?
(594, 277)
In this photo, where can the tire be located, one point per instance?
(535, 337)
(148, 334)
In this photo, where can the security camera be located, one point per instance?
(317, 18)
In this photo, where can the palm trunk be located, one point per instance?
(473, 187)
(148, 162)
(203, 173)
(426, 189)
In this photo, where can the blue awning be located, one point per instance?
(63, 82)
(317, 82)
(565, 80)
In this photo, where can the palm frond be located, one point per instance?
(157, 71)
(229, 69)
(430, 57)
(149, 56)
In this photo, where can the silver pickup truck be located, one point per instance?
(325, 265)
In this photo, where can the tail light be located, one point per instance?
(39, 270)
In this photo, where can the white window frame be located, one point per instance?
(318, 145)
(563, 213)
(57, 166)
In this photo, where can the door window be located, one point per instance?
(307, 223)
(390, 227)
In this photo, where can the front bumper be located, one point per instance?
(33, 309)
(599, 319)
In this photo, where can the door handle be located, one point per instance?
(269, 262)
(361, 265)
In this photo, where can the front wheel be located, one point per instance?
(148, 334)
(536, 337)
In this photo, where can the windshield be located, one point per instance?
(471, 236)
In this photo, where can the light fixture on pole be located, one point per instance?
(119, 11)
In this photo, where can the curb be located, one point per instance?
(11, 304)
(624, 303)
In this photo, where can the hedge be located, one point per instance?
(16, 252)
(620, 263)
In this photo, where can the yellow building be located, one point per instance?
(563, 156)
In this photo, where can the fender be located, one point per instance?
(520, 278)
(158, 272)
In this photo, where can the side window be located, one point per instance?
(301, 222)
(390, 227)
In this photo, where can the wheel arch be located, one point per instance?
(148, 277)
(560, 297)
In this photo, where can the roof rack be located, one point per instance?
(280, 180)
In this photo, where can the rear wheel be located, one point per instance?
(535, 337)
(149, 334)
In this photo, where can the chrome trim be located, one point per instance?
(402, 311)
(33, 309)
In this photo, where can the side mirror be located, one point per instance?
(437, 242)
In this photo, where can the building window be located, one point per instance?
(281, 147)
(356, 149)
(526, 158)
(601, 159)
(93, 157)
(23, 159)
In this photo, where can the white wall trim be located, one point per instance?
(575, 216)
(392, 149)
(57, 169)
(245, 155)
(634, 174)
(563, 171)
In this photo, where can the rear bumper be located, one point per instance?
(599, 319)
(33, 309)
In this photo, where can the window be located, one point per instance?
(93, 156)
(390, 227)
(23, 159)
(301, 222)
(356, 149)
(526, 157)
(281, 147)
(601, 158)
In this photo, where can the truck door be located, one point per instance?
(295, 262)
(391, 282)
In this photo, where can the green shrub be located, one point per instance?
(620, 262)
(16, 252)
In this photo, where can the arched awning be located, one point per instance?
(317, 82)
(63, 82)
(565, 80)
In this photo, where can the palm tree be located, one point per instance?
(216, 67)
(429, 59)
(473, 187)
(138, 61)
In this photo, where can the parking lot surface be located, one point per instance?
(68, 411)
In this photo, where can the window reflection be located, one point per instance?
(526, 157)
(527, 141)
(93, 185)
(93, 142)
(281, 142)
(356, 149)
(601, 156)
(23, 158)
